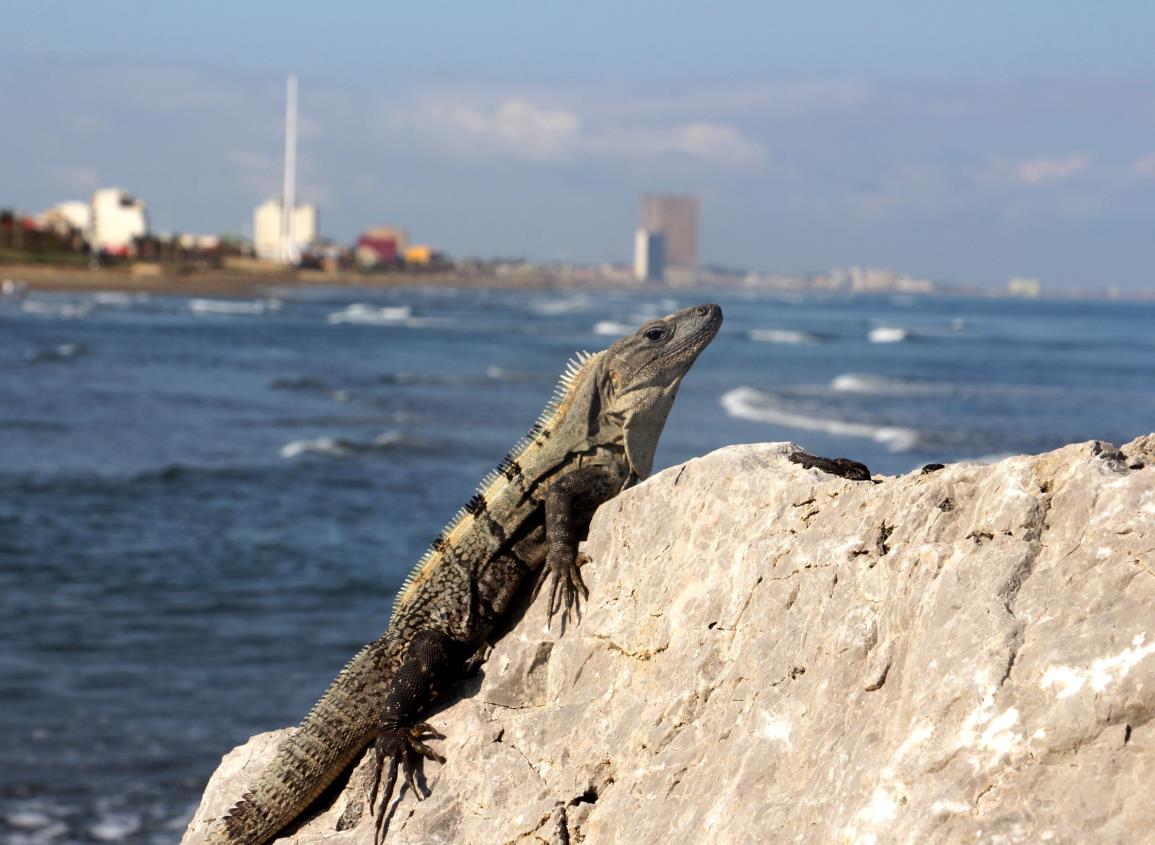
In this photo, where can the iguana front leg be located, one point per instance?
(400, 739)
(581, 490)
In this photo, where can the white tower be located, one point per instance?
(290, 253)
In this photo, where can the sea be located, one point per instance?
(207, 505)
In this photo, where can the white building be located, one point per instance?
(268, 240)
(649, 256)
(66, 217)
(118, 218)
(1024, 287)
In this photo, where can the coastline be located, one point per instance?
(233, 283)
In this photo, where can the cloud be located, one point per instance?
(1144, 166)
(1041, 171)
(719, 143)
(516, 126)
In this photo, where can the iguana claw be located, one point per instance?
(401, 745)
(566, 588)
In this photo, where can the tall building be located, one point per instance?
(118, 219)
(649, 256)
(676, 218)
(268, 229)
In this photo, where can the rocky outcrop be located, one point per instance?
(771, 654)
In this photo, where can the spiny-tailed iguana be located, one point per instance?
(596, 437)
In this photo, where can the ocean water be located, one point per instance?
(206, 505)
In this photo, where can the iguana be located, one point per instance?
(596, 437)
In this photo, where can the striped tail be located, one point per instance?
(329, 740)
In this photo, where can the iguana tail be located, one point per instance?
(331, 737)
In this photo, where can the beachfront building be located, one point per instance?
(268, 235)
(380, 246)
(675, 216)
(117, 220)
(65, 218)
(649, 256)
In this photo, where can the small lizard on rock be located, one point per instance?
(595, 438)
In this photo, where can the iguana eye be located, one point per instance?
(655, 334)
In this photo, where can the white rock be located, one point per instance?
(761, 660)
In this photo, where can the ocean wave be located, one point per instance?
(791, 336)
(567, 305)
(613, 328)
(759, 406)
(888, 334)
(361, 314)
(367, 315)
(60, 352)
(233, 307)
(342, 447)
(63, 310)
(116, 299)
(875, 385)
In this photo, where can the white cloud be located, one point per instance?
(1040, 171)
(516, 126)
(718, 143)
(1144, 166)
(520, 127)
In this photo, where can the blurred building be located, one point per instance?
(676, 218)
(420, 255)
(380, 246)
(268, 237)
(65, 218)
(649, 256)
(117, 220)
(1024, 287)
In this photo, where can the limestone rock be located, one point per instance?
(771, 654)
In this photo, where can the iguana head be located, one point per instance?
(638, 379)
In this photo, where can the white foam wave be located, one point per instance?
(118, 298)
(792, 336)
(887, 334)
(64, 310)
(613, 328)
(339, 446)
(115, 827)
(233, 307)
(551, 307)
(882, 385)
(758, 406)
(869, 384)
(367, 315)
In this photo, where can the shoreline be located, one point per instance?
(47, 278)
(226, 282)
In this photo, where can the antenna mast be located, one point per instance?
(289, 252)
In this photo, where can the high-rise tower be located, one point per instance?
(676, 218)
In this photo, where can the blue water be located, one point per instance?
(205, 508)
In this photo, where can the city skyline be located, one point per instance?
(1005, 143)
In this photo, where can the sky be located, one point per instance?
(963, 142)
